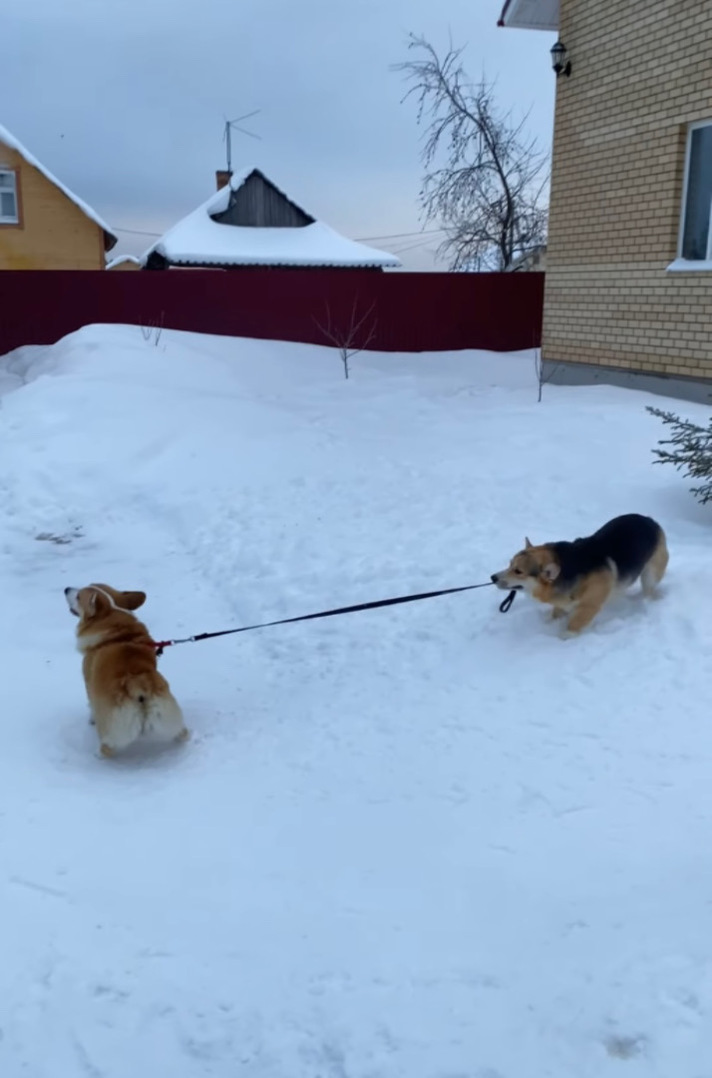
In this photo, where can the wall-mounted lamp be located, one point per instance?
(560, 59)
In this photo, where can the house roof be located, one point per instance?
(530, 14)
(120, 259)
(200, 240)
(110, 240)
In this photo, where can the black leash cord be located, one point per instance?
(377, 605)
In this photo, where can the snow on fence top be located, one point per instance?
(199, 239)
(9, 140)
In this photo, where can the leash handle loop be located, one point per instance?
(506, 604)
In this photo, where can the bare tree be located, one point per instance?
(349, 337)
(153, 329)
(487, 192)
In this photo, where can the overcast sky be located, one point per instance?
(125, 101)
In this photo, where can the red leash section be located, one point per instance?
(377, 605)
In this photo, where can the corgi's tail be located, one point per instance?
(139, 688)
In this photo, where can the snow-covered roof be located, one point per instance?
(119, 261)
(530, 14)
(12, 143)
(200, 240)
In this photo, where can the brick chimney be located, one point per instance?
(222, 178)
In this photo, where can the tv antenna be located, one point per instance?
(234, 125)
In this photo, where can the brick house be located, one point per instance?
(628, 295)
(43, 225)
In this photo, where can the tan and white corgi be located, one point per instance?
(127, 695)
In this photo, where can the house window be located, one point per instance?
(696, 240)
(8, 198)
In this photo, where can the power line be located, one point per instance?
(358, 239)
(412, 247)
(399, 235)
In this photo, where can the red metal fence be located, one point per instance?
(399, 312)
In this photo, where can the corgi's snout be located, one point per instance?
(503, 580)
(71, 595)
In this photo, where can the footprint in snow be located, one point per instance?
(620, 1046)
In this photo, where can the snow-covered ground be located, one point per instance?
(426, 842)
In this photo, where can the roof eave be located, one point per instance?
(510, 17)
(204, 264)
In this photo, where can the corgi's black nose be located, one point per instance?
(67, 591)
(494, 578)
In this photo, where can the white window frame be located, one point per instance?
(4, 171)
(681, 264)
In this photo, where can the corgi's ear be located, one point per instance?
(527, 544)
(132, 600)
(550, 571)
(124, 600)
(96, 601)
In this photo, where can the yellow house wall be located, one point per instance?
(53, 232)
(640, 75)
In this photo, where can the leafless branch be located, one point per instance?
(347, 337)
(153, 329)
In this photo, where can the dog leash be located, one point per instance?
(504, 606)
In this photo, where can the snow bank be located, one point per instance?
(430, 841)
